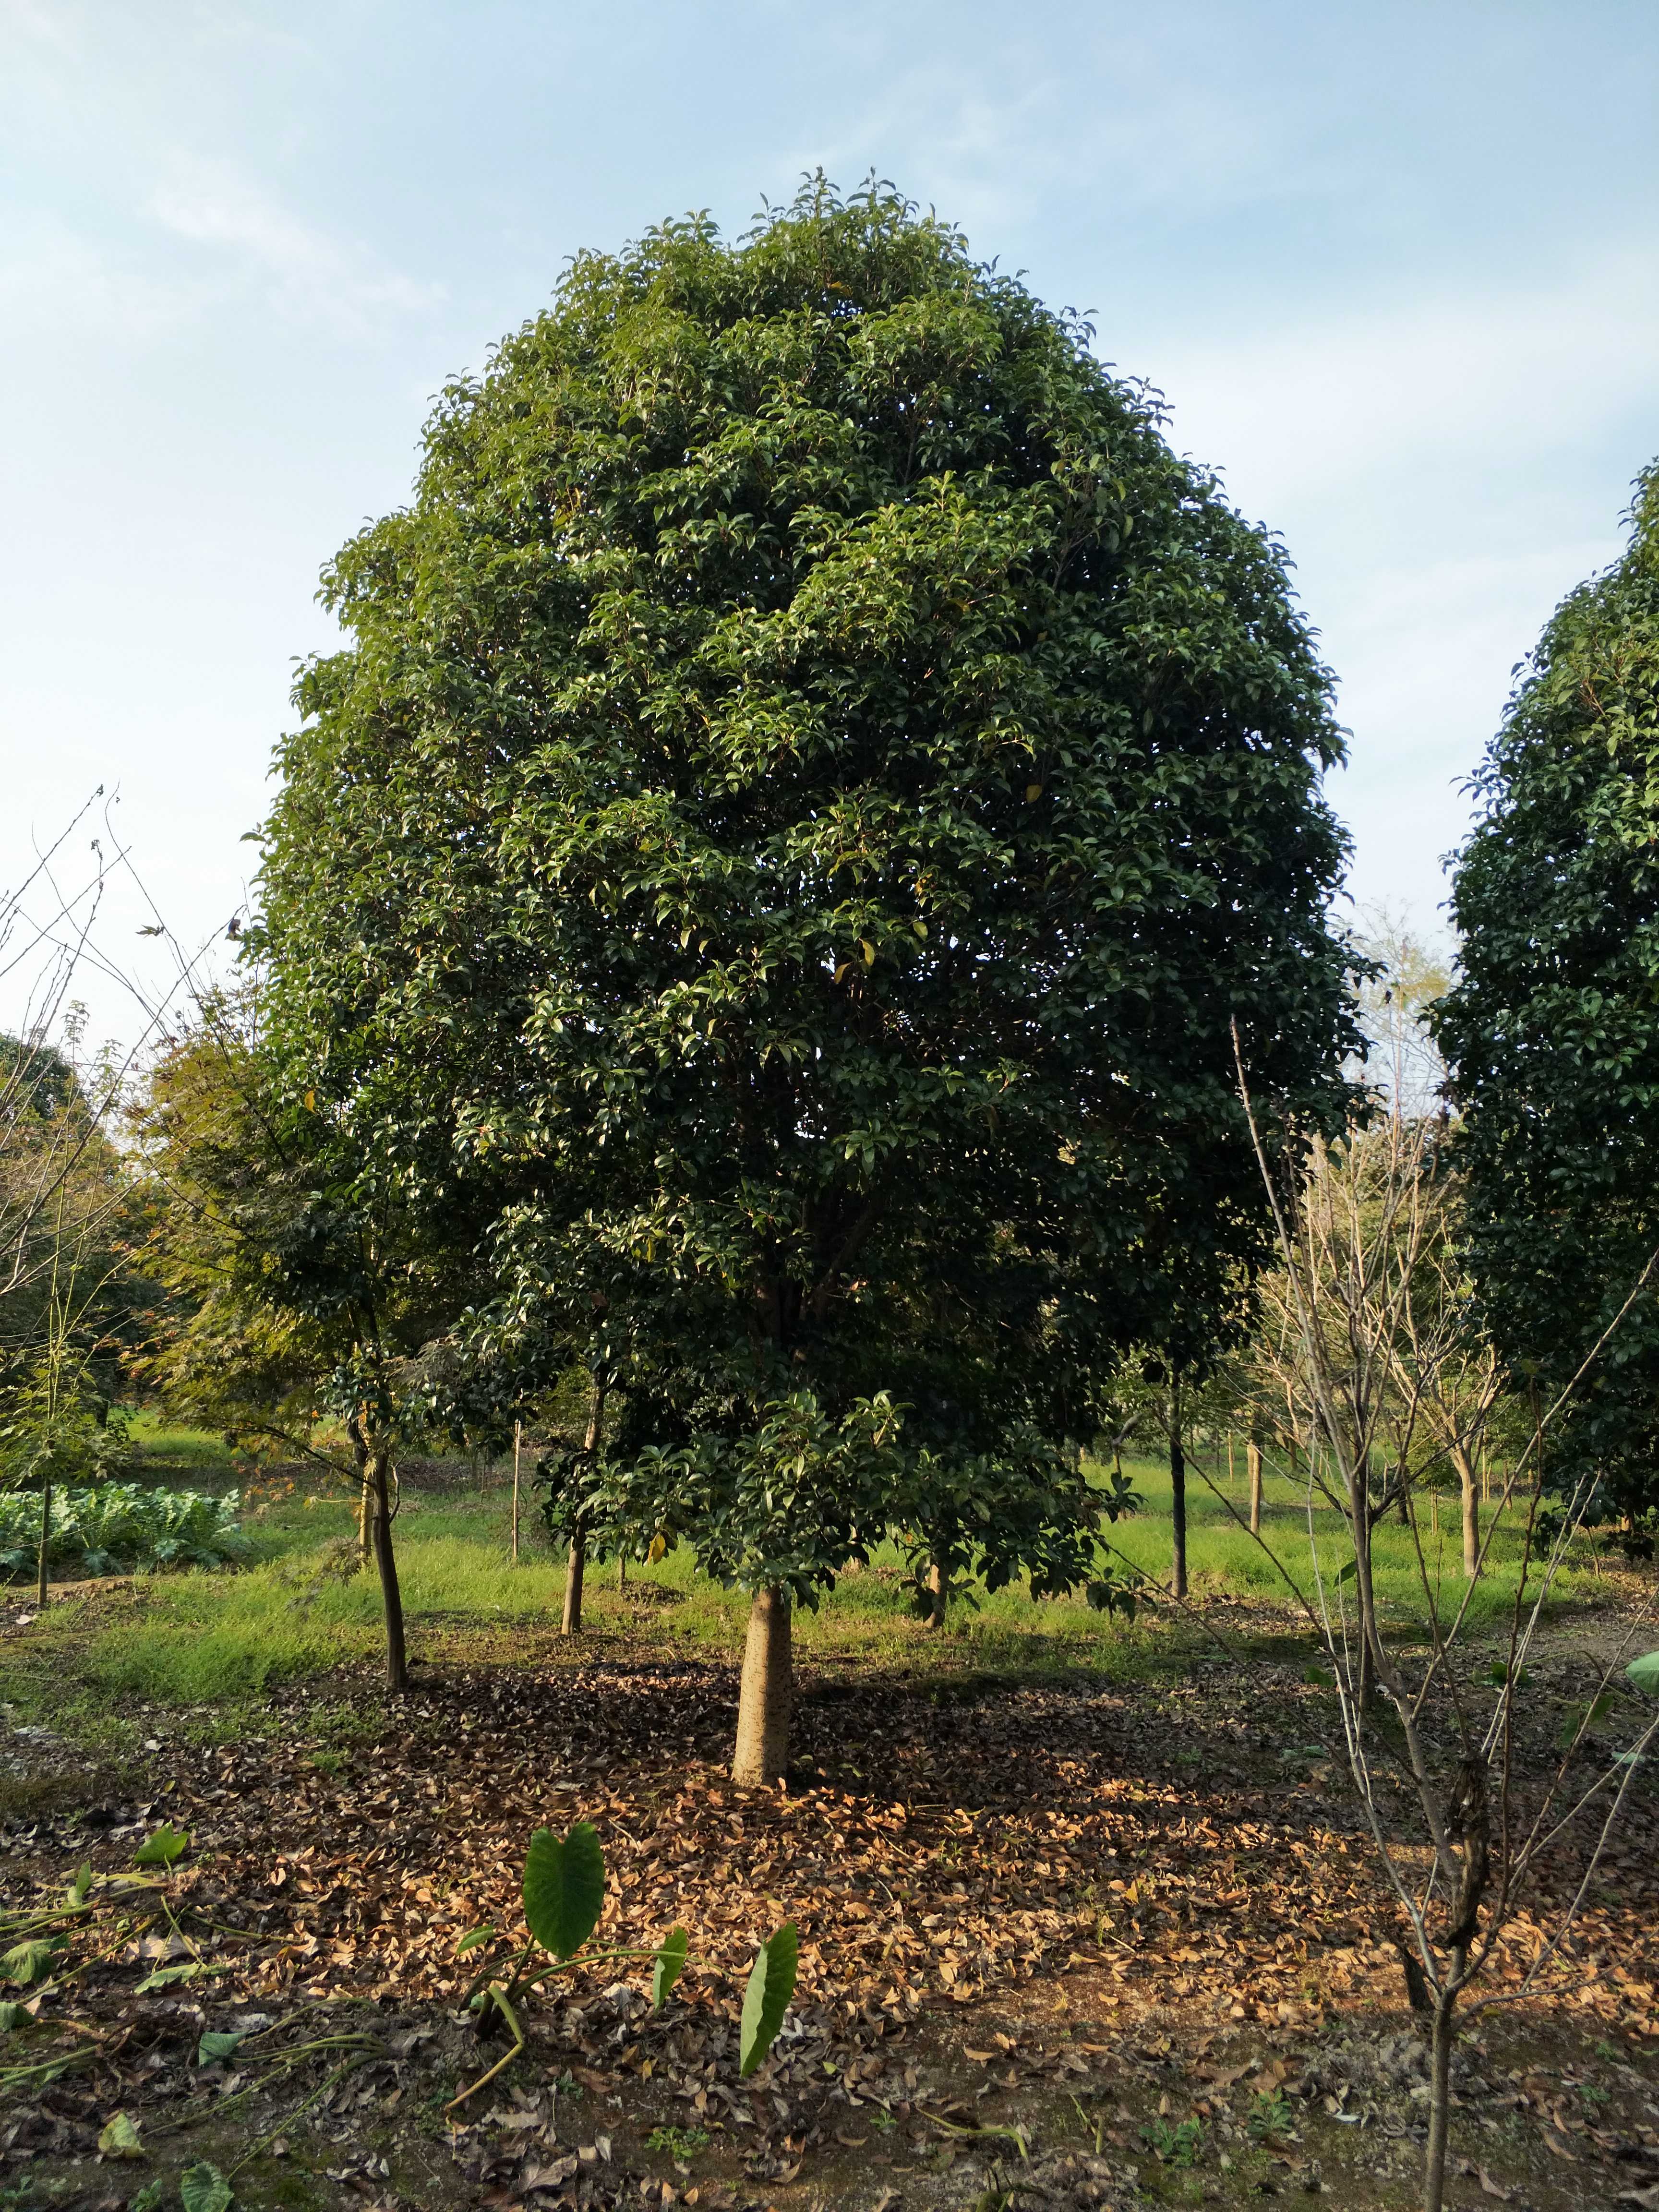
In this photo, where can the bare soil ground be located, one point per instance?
(1064, 1943)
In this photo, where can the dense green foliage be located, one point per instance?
(120, 1525)
(812, 782)
(1553, 1031)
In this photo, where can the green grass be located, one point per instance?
(205, 1639)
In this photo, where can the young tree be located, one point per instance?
(812, 781)
(1553, 1028)
(1366, 1342)
(295, 1280)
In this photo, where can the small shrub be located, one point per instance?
(118, 1526)
(1176, 2145)
(678, 2142)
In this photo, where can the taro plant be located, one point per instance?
(563, 1899)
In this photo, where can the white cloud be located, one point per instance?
(1463, 378)
(312, 273)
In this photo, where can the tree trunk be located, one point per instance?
(764, 1702)
(937, 1587)
(365, 1494)
(1467, 1483)
(576, 1566)
(1177, 1495)
(42, 1573)
(1434, 2161)
(1253, 1462)
(379, 1478)
(576, 1570)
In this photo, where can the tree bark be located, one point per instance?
(937, 1587)
(1434, 2161)
(1253, 1462)
(365, 1494)
(1468, 1484)
(42, 1572)
(574, 1572)
(380, 1481)
(764, 1702)
(576, 1566)
(1177, 1495)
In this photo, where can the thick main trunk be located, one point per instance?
(1434, 2159)
(1253, 1462)
(938, 1584)
(379, 1485)
(764, 1702)
(575, 1573)
(1468, 1483)
(1177, 1498)
(575, 1570)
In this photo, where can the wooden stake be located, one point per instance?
(518, 1435)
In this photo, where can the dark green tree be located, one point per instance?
(813, 781)
(1551, 1032)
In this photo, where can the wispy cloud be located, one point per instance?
(311, 272)
(1467, 378)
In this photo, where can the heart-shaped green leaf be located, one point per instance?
(214, 2048)
(771, 1985)
(161, 1847)
(30, 1962)
(564, 1888)
(1644, 1672)
(205, 2189)
(118, 2138)
(666, 1972)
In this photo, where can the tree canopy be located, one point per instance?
(813, 782)
(1552, 1030)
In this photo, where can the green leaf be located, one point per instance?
(1644, 1672)
(771, 1985)
(118, 2137)
(81, 1888)
(12, 2016)
(30, 1962)
(1347, 1574)
(160, 1848)
(165, 1978)
(1498, 1674)
(671, 1959)
(471, 1940)
(215, 2047)
(1317, 1677)
(1580, 1717)
(205, 2189)
(564, 1888)
(150, 2197)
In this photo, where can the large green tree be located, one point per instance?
(1552, 1030)
(813, 781)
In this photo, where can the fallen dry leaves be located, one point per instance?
(938, 1849)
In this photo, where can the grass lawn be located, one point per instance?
(298, 1607)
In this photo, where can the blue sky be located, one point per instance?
(1397, 268)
